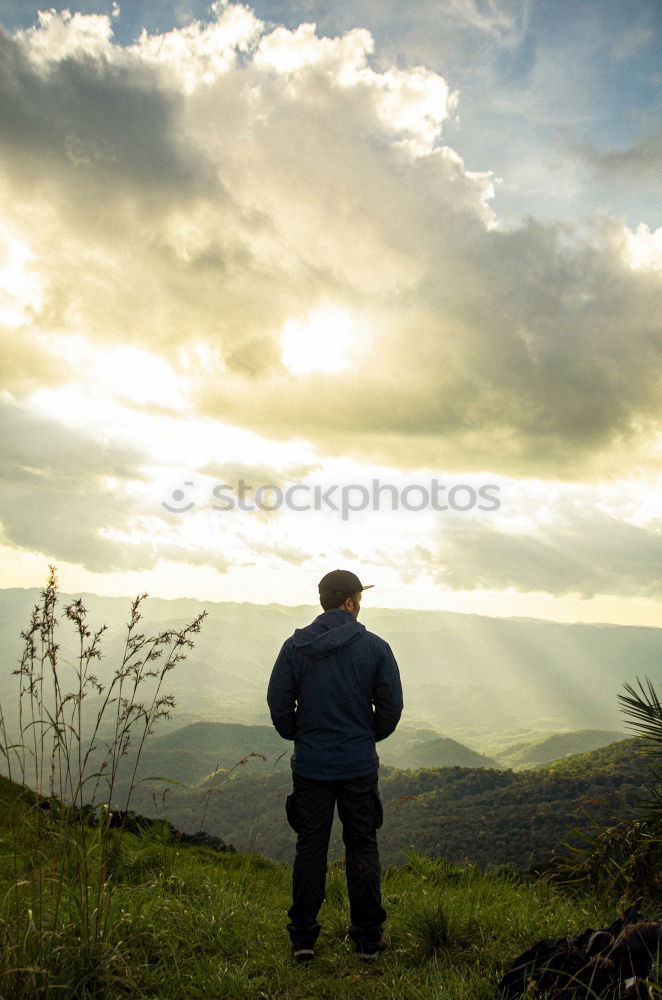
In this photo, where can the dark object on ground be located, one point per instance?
(372, 951)
(611, 964)
(135, 823)
(130, 822)
(202, 839)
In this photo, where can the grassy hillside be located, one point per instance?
(11, 794)
(189, 922)
(533, 753)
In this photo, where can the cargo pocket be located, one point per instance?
(379, 811)
(291, 811)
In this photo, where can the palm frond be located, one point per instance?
(643, 710)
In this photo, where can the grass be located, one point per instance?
(189, 922)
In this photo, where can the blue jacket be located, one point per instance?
(324, 684)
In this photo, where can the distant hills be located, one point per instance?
(222, 744)
(425, 748)
(229, 742)
(194, 752)
(534, 753)
(468, 677)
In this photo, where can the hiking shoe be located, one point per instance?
(368, 952)
(303, 954)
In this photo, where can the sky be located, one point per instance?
(298, 286)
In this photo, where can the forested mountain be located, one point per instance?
(486, 816)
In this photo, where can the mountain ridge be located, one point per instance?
(314, 607)
(471, 678)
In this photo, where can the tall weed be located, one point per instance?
(65, 858)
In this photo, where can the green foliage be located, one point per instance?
(643, 711)
(623, 861)
(200, 924)
(488, 816)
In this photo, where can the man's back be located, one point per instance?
(324, 684)
(335, 690)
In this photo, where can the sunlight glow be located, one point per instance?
(122, 372)
(321, 343)
(20, 287)
(643, 248)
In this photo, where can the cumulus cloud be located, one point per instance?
(90, 119)
(204, 188)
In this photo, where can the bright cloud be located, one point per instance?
(643, 248)
(197, 54)
(20, 287)
(411, 103)
(218, 207)
(65, 35)
(239, 246)
(321, 343)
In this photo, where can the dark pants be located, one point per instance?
(310, 809)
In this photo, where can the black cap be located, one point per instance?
(342, 583)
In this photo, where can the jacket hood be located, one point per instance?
(331, 631)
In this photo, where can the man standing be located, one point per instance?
(335, 690)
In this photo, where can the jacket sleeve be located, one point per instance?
(387, 695)
(281, 693)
